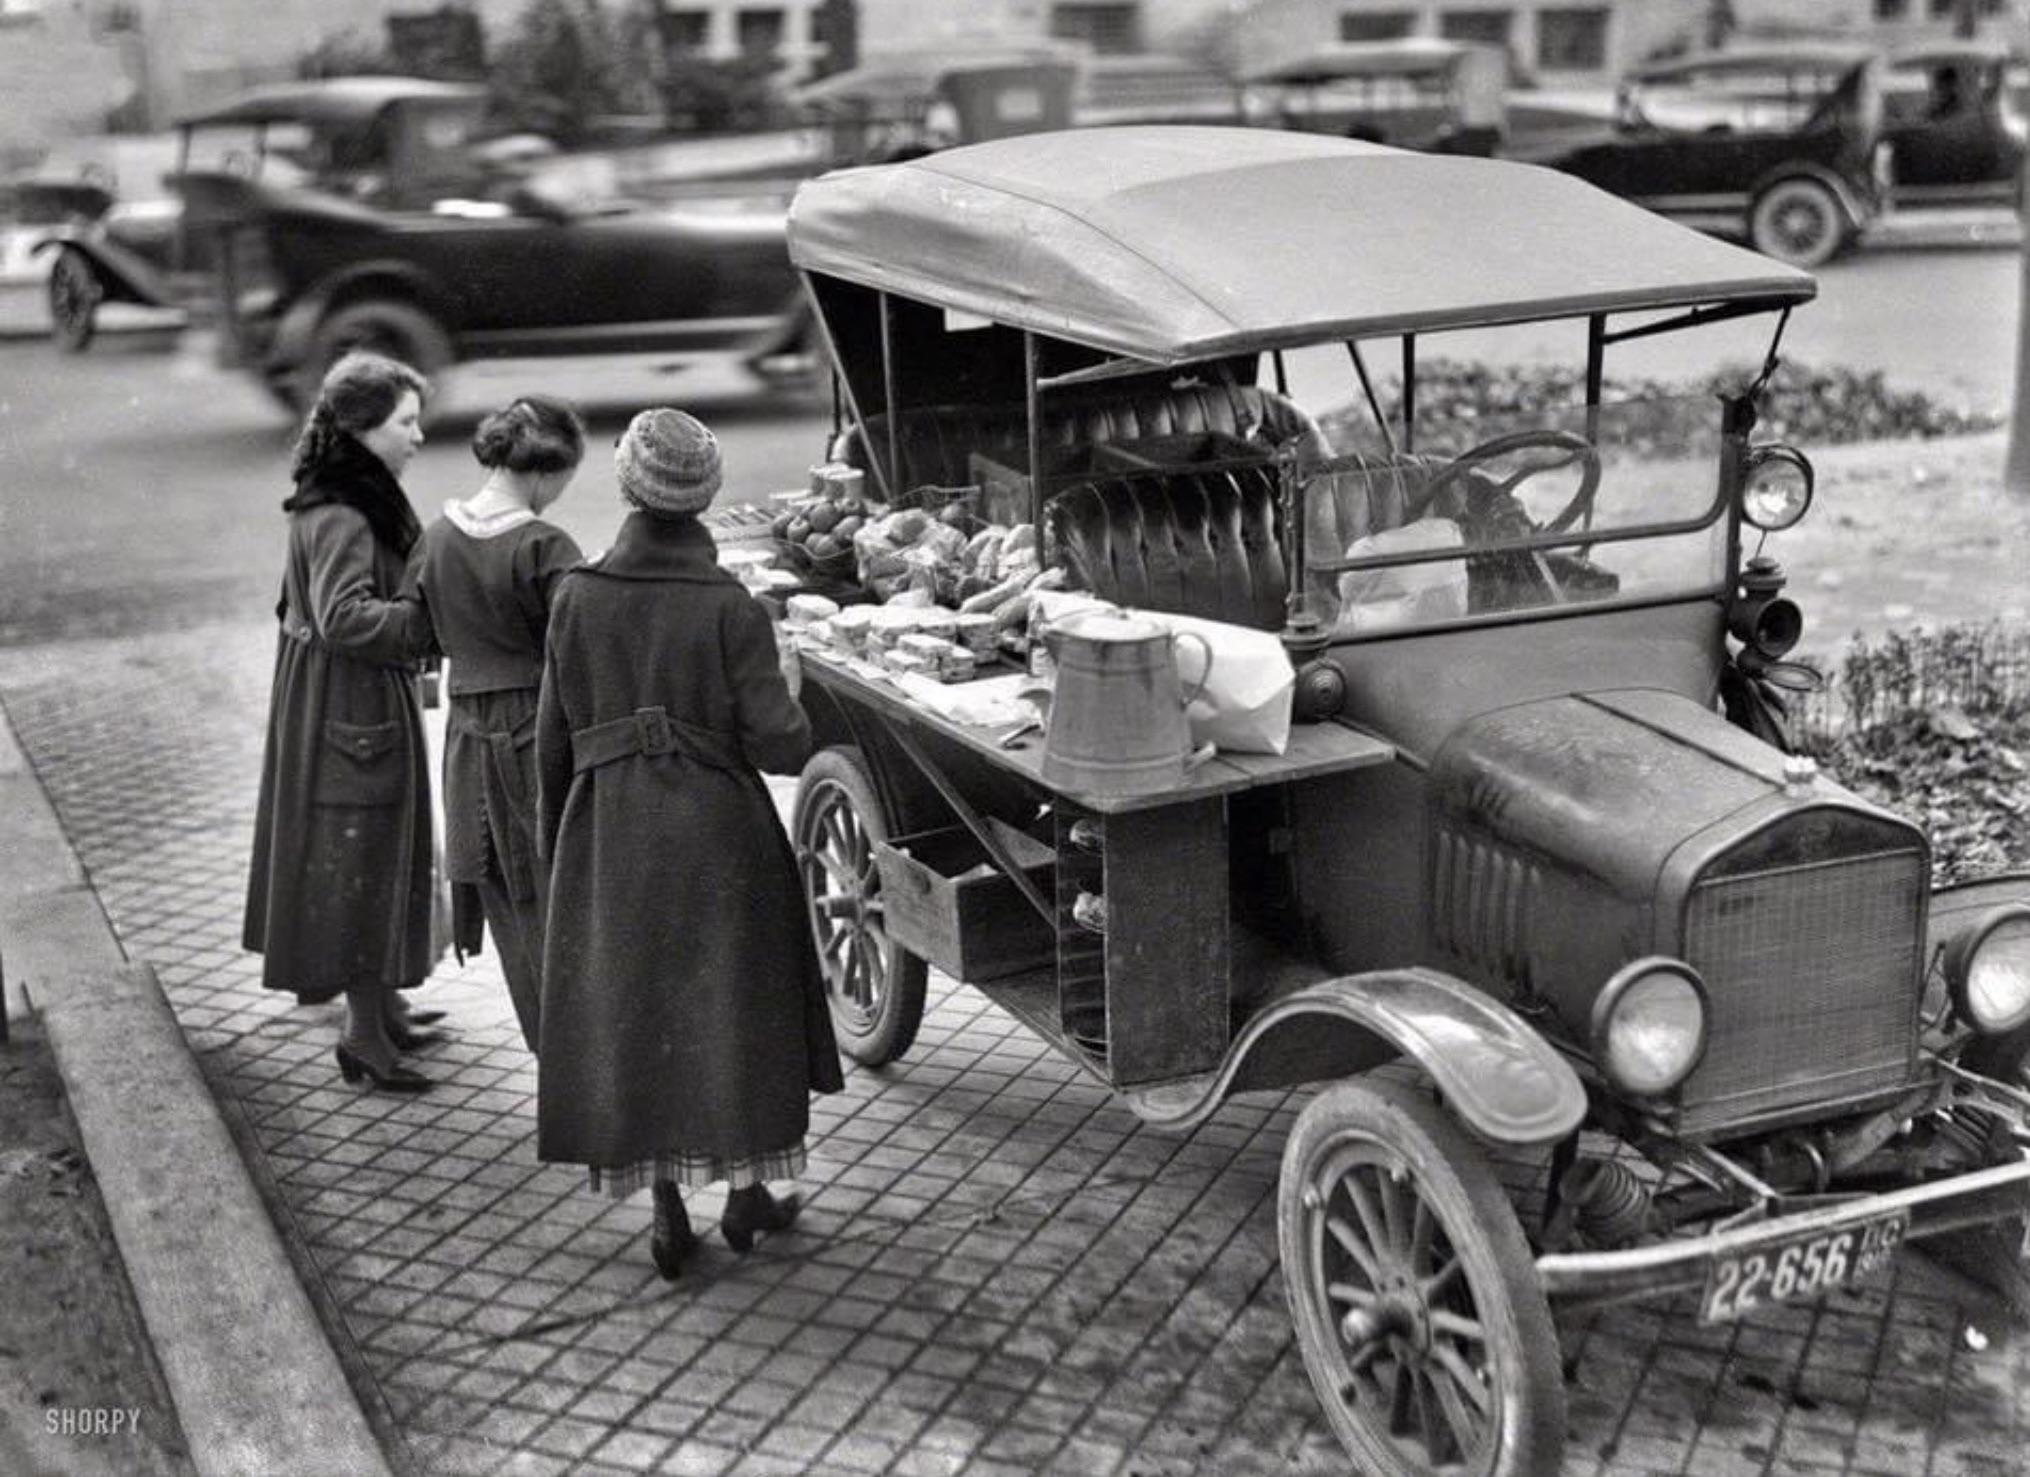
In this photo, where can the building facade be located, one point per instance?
(146, 61)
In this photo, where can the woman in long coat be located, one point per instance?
(490, 567)
(684, 1022)
(339, 896)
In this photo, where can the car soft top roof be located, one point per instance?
(1938, 53)
(920, 74)
(333, 100)
(1824, 56)
(1407, 57)
(1178, 243)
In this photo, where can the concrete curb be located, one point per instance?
(256, 1384)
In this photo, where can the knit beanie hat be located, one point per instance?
(668, 462)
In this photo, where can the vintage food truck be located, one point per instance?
(1608, 994)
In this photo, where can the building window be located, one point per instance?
(759, 32)
(684, 32)
(1109, 29)
(1572, 40)
(1376, 25)
(1891, 10)
(1491, 26)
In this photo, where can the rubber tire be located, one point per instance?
(1766, 237)
(1454, 1178)
(72, 273)
(387, 326)
(899, 1013)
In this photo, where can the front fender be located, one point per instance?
(1858, 207)
(125, 276)
(297, 327)
(1501, 1078)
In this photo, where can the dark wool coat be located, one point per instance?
(683, 1009)
(339, 894)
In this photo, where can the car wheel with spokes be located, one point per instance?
(74, 297)
(875, 988)
(1422, 1324)
(1799, 221)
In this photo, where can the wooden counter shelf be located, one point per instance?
(1315, 749)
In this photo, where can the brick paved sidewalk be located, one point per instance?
(1000, 1270)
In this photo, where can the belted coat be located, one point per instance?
(683, 1010)
(339, 893)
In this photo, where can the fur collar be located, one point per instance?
(353, 476)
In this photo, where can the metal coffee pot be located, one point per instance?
(1117, 724)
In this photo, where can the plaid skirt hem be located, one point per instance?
(696, 1171)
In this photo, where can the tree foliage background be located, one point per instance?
(569, 63)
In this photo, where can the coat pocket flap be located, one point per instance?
(370, 767)
(363, 741)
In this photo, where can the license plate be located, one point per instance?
(1802, 1266)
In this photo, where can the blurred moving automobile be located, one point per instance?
(1775, 144)
(1955, 132)
(32, 207)
(365, 212)
(1444, 97)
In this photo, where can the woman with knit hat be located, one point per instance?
(683, 1017)
(490, 567)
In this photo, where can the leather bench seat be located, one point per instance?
(935, 441)
(1196, 541)
(1205, 541)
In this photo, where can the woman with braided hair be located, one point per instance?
(339, 899)
(490, 567)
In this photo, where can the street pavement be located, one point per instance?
(999, 1270)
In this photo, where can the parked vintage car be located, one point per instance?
(1416, 93)
(1955, 130)
(911, 101)
(361, 212)
(1609, 993)
(1774, 144)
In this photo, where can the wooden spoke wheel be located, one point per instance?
(74, 297)
(1798, 221)
(875, 987)
(1424, 1330)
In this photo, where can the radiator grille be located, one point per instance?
(1813, 976)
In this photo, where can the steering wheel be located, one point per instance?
(1575, 448)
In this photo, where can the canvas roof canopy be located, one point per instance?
(1821, 56)
(1410, 56)
(915, 75)
(1173, 244)
(339, 100)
